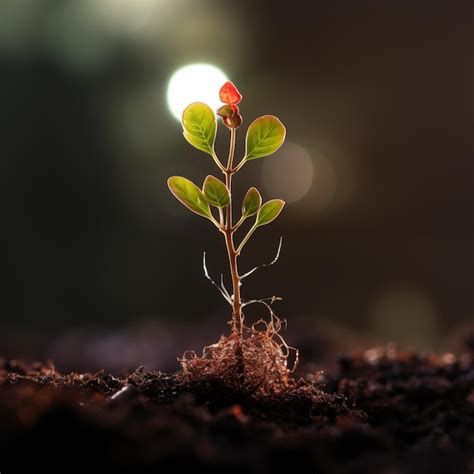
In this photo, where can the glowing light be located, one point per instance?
(449, 358)
(289, 174)
(194, 83)
(373, 355)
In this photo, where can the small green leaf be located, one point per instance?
(264, 136)
(190, 195)
(252, 202)
(269, 212)
(199, 126)
(216, 192)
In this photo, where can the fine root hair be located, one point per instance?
(254, 363)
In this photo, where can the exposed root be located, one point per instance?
(222, 289)
(269, 264)
(255, 363)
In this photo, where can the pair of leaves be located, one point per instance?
(265, 135)
(253, 205)
(215, 193)
(265, 214)
(190, 195)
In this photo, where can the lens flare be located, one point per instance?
(289, 174)
(194, 83)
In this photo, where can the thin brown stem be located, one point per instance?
(245, 239)
(229, 239)
(221, 218)
(236, 226)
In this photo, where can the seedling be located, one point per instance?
(214, 201)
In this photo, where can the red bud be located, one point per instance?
(234, 121)
(229, 94)
(225, 111)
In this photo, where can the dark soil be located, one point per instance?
(380, 412)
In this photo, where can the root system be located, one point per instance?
(255, 363)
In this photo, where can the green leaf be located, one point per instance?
(264, 136)
(252, 202)
(269, 212)
(199, 126)
(190, 195)
(216, 192)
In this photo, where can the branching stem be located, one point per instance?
(218, 162)
(239, 223)
(246, 238)
(228, 231)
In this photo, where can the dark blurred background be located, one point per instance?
(377, 97)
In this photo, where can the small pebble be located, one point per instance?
(125, 394)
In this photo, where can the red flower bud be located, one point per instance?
(230, 116)
(229, 94)
(225, 111)
(234, 121)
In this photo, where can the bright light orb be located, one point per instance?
(194, 83)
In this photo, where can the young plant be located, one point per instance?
(265, 136)
(254, 356)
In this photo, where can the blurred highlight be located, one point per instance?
(194, 83)
(289, 174)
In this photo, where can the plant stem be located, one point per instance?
(239, 223)
(229, 239)
(245, 239)
(218, 162)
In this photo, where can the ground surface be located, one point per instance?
(380, 412)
